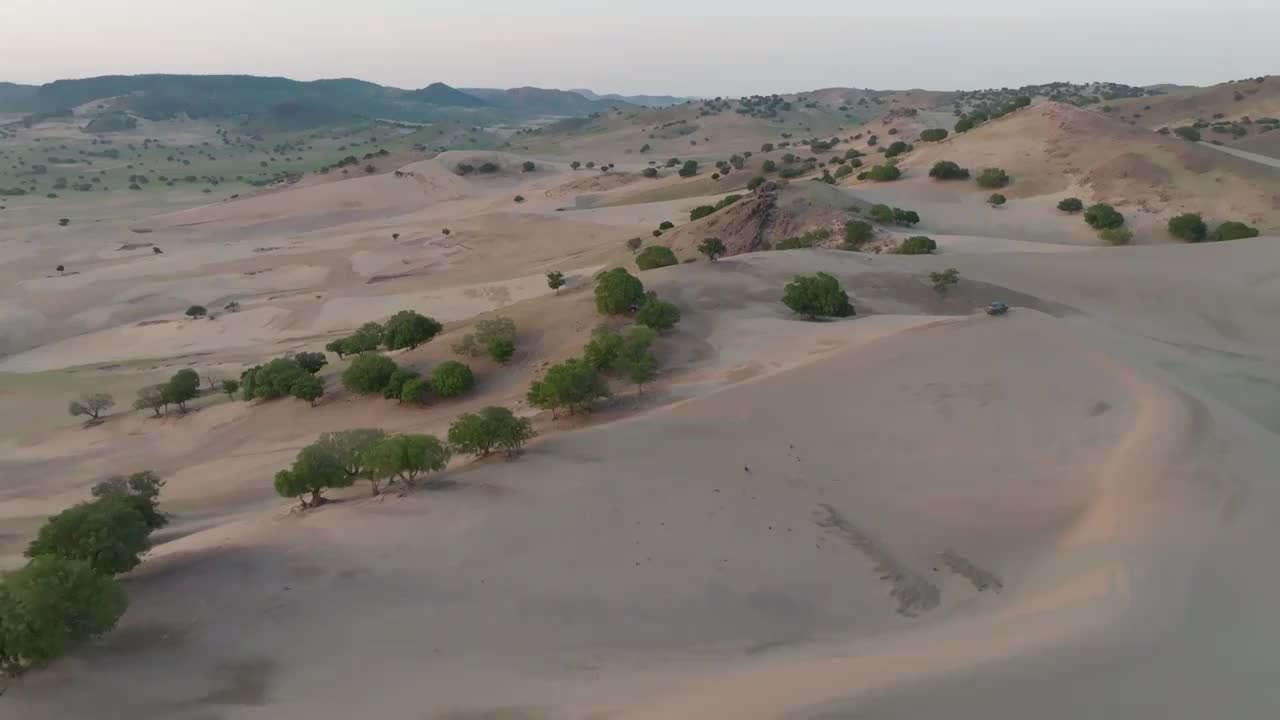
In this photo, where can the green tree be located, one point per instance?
(452, 379)
(815, 296)
(572, 384)
(634, 360)
(493, 428)
(942, 280)
(996, 200)
(338, 347)
(230, 387)
(314, 470)
(1070, 205)
(368, 373)
(141, 491)
(91, 404)
(404, 457)
(713, 248)
(917, 245)
(108, 534)
(905, 217)
(367, 338)
(897, 148)
(618, 291)
(394, 388)
(1102, 216)
(1189, 227)
(311, 361)
(948, 170)
(665, 225)
(993, 178)
(415, 391)
(183, 387)
(857, 233)
(881, 213)
(408, 329)
(575, 164)
(51, 606)
(1232, 230)
(151, 398)
(601, 352)
(657, 314)
(701, 211)
(555, 280)
(353, 451)
(933, 135)
(272, 381)
(655, 256)
(196, 311)
(884, 173)
(689, 169)
(769, 166)
(307, 387)
(528, 166)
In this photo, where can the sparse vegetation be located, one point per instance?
(857, 233)
(993, 178)
(1188, 133)
(945, 279)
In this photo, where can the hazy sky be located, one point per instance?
(695, 47)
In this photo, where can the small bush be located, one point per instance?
(948, 170)
(755, 182)
(816, 296)
(655, 256)
(369, 373)
(1232, 230)
(452, 379)
(917, 245)
(1102, 216)
(993, 178)
(701, 211)
(1188, 133)
(933, 135)
(713, 248)
(1116, 235)
(1189, 227)
(942, 280)
(1070, 205)
(196, 311)
(857, 233)
(996, 200)
(657, 314)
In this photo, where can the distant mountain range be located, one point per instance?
(654, 101)
(272, 102)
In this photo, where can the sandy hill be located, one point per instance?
(1229, 101)
(764, 217)
(1052, 148)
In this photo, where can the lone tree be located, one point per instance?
(942, 280)
(196, 311)
(230, 387)
(996, 200)
(49, 607)
(184, 386)
(618, 291)
(311, 361)
(917, 245)
(658, 315)
(993, 178)
(452, 379)
(109, 534)
(655, 256)
(948, 170)
(91, 404)
(1189, 227)
(403, 458)
(572, 384)
(1103, 216)
(1070, 205)
(408, 329)
(493, 428)
(713, 248)
(314, 470)
(555, 280)
(815, 296)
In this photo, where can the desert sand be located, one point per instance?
(920, 511)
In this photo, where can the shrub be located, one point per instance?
(993, 178)
(555, 280)
(713, 248)
(655, 256)
(769, 166)
(492, 428)
(755, 182)
(1116, 235)
(933, 135)
(91, 404)
(917, 245)
(857, 233)
(1102, 216)
(307, 387)
(394, 387)
(884, 173)
(948, 170)
(51, 606)
(666, 225)
(109, 534)
(815, 296)
(405, 457)
(634, 244)
(452, 379)
(1070, 205)
(196, 311)
(230, 387)
(408, 329)
(964, 125)
(881, 213)
(572, 384)
(701, 211)
(1189, 227)
(1232, 230)
(689, 169)
(415, 391)
(657, 314)
(1187, 133)
(528, 166)
(942, 280)
(369, 373)
(618, 291)
(905, 217)
(311, 361)
(897, 148)
(649, 172)
(996, 200)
